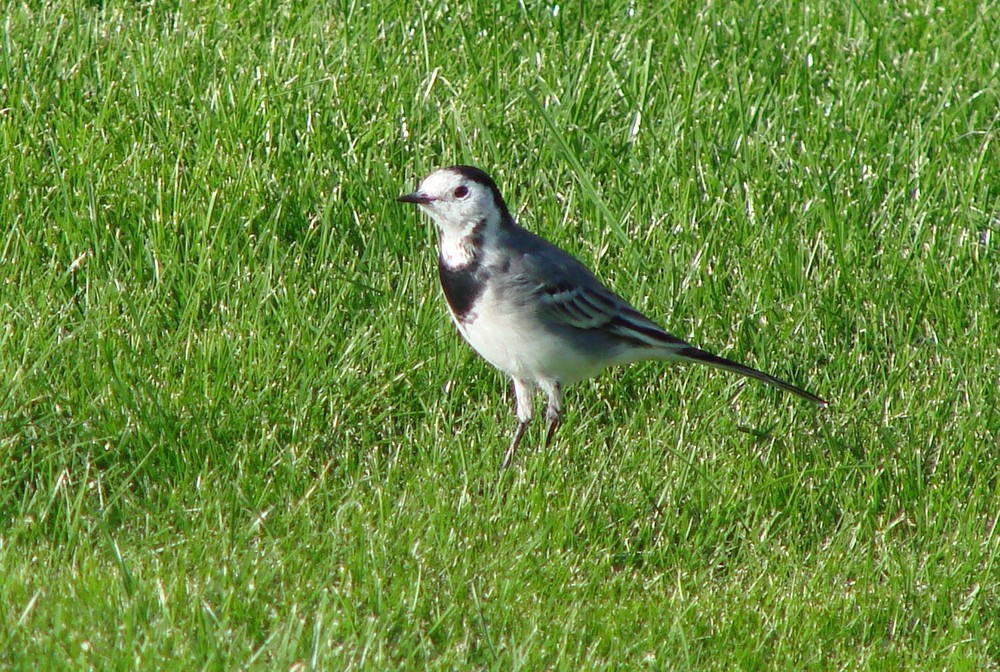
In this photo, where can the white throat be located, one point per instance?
(458, 249)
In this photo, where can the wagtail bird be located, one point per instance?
(534, 311)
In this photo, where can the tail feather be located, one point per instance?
(693, 354)
(646, 339)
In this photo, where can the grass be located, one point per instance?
(239, 432)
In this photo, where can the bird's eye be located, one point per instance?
(461, 192)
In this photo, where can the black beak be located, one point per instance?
(415, 197)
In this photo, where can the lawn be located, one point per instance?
(238, 430)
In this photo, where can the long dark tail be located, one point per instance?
(693, 354)
(644, 338)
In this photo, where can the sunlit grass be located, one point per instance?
(240, 432)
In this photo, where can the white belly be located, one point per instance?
(515, 342)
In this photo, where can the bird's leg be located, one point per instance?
(523, 392)
(554, 422)
(553, 413)
(509, 456)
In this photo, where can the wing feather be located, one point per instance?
(590, 306)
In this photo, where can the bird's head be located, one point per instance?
(461, 200)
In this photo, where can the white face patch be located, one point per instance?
(459, 205)
(465, 212)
